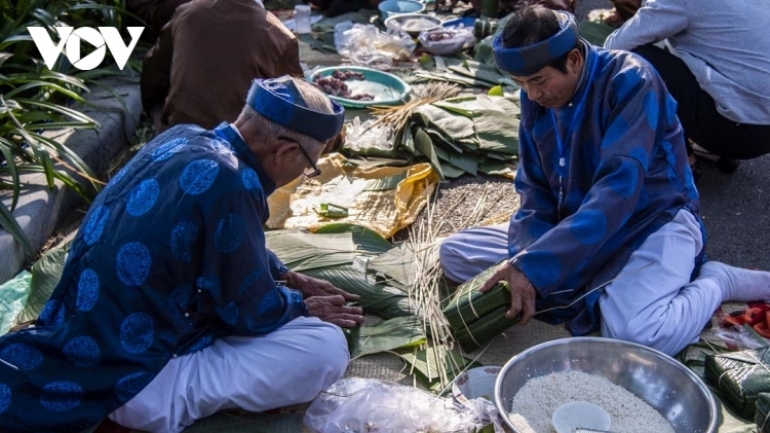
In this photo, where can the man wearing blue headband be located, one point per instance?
(170, 306)
(607, 195)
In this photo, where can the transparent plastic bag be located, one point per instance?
(366, 45)
(355, 405)
(734, 338)
(363, 138)
(447, 41)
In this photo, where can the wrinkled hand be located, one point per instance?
(332, 309)
(310, 286)
(523, 294)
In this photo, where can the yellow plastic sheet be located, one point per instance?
(383, 199)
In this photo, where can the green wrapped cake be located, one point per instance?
(476, 318)
(741, 377)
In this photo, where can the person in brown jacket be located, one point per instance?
(206, 58)
(154, 14)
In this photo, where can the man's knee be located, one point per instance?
(650, 333)
(326, 357)
(451, 258)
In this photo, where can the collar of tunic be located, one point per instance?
(229, 133)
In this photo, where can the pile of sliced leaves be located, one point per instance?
(461, 135)
(362, 262)
(465, 72)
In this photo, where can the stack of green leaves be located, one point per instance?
(595, 32)
(465, 72)
(476, 318)
(461, 135)
(339, 253)
(741, 377)
(762, 417)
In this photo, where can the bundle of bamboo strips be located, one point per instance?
(425, 294)
(397, 117)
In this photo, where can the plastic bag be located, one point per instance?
(733, 338)
(447, 41)
(362, 137)
(356, 405)
(366, 45)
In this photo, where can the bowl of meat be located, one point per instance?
(356, 86)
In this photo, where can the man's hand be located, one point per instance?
(310, 286)
(523, 294)
(332, 309)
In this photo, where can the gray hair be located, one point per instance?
(268, 130)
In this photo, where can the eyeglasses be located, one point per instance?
(311, 171)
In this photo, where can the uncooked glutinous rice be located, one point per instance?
(536, 401)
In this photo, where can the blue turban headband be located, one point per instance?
(279, 100)
(529, 59)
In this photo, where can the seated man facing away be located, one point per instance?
(154, 14)
(170, 306)
(206, 57)
(606, 194)
(716, 65)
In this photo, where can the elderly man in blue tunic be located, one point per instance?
(607, 195)
(170, 307)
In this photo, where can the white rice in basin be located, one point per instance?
(536, 401)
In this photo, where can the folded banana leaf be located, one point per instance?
(476, 318)
(762, 418)
(485, 329)
(338, 254)
(741, 377)
(396, 333)
(469, 305)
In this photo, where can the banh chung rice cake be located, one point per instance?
(536, 401)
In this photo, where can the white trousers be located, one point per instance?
(288, 366)
(657, 306)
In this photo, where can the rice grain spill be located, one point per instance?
(536, 401)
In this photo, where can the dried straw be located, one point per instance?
(397, 117)
(425, 293)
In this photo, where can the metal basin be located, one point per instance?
(663, 383)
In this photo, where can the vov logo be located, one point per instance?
(70, 38)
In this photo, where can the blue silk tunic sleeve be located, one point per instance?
(238, 270)
(554, 255)
(277, 269)
(537, 214)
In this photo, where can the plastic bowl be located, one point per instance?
(386, 88)
(475, 383)
(388, 8)
(467, 22)
(580, 414)
(398, 20)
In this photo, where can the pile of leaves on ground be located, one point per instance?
(465, 134)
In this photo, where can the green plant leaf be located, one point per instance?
(496, 91)
(380, 298)
(46, 273)
(365, 239)
(9, 224)
(426, 363)
(4, 57)
(13, 299)
(6, 148)
(397, 333)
